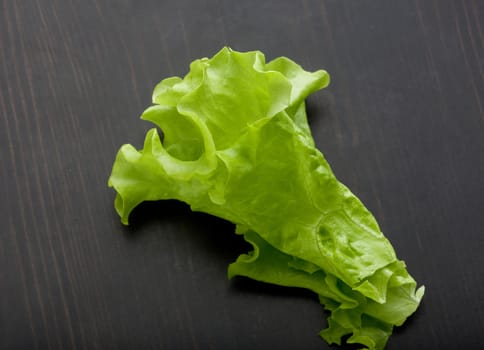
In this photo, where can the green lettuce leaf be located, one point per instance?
(237, 145)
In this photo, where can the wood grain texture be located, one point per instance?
(402, 125)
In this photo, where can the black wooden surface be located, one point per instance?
(402, 124)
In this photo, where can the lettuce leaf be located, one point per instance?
(237, 145)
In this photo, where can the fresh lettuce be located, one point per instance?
(237, 145)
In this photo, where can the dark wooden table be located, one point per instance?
(402, 124)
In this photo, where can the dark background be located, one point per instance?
(402, 124)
